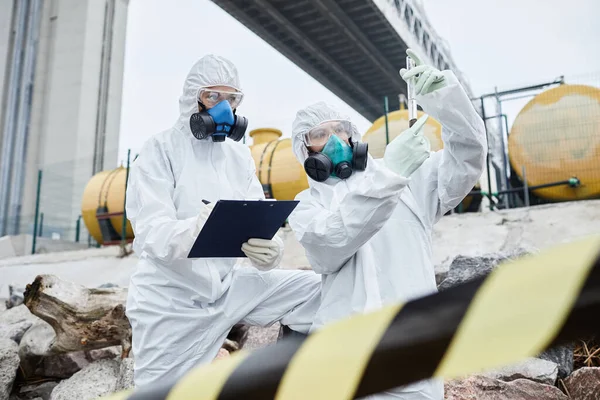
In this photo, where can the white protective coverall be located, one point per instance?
(370, 235)
(180, 309)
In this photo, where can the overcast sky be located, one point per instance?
(503, 43)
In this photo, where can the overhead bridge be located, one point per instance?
(355, 48)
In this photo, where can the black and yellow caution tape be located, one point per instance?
(519, 310)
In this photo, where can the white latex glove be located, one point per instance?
(426, 78)
(264, 254)
(408, 150)
(202, 217)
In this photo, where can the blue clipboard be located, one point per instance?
(232, 222)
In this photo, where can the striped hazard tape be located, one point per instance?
(519, 310)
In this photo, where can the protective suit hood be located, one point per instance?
(310, 117)
(210, 70)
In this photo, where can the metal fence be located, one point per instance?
(544, 142)
(53, 200)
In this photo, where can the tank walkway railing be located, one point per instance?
(57, 222)
(573, 182)
(109, 235)
(500, 96)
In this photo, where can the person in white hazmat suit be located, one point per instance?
(181, 309)
(369, 235)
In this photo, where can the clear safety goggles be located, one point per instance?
(210, 97)
(320, 134)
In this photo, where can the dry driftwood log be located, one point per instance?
(88, 319)
(83, 319)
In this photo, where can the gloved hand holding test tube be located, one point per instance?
(421, 79)
(412, 102)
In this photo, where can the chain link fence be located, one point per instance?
(63, 199)
(61, 192)
(544, 142)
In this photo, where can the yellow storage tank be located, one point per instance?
(556, 136)
(281, 175)
(397, 123)
(105, 189)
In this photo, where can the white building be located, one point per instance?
(61, 73)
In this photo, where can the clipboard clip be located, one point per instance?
(208, 202)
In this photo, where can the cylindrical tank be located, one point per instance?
(397, 123)
(281, 175)
(556, 136)
(105, 189)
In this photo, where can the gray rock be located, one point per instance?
(484, 388)
(464, 269)
(103, 354)
(2, 305)
(61, 365)
(125, 379)
(13, 301)
(36, 360)
(15, 322)
(41, 391)
(15, 331)
(9, 363)
(35, 357)
(563, 356)
(34, 346)
(17, 314)
(584, 384)
(14, 397)
(261, 337)
(107, 285)
(15, 296)
(440, 276)
(534, 369)
(95, 380)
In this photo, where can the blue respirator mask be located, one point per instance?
(336, 159)
(219, 122)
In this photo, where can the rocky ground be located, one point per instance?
(471, 234)
(89, 374)
(77, 375)
(482, 240)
